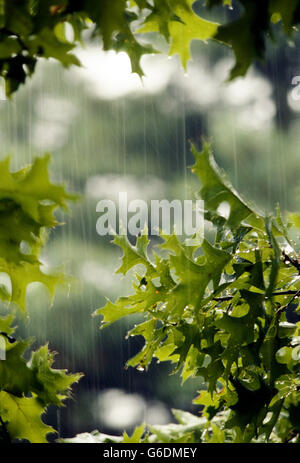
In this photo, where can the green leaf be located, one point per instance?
(9, 46)
(51, 385)
(136, 436)
(133, 255)
(286, 385)
(216, 189)
(22, 416)
(211, 402)
(15, 376)
(51, 47)
(179, 24)
(246, 35)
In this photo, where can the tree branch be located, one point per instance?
(290, 260)
(277, 293)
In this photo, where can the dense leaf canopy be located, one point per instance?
(34, 29)
(222, 311)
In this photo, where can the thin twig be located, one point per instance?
(283, 308)
(277, 293)
(290, 260)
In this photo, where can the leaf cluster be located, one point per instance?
(35, 29)
(225, 310)
(28, 200)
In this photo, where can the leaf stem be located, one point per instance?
(294, 293)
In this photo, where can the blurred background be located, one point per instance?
(109, 132)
